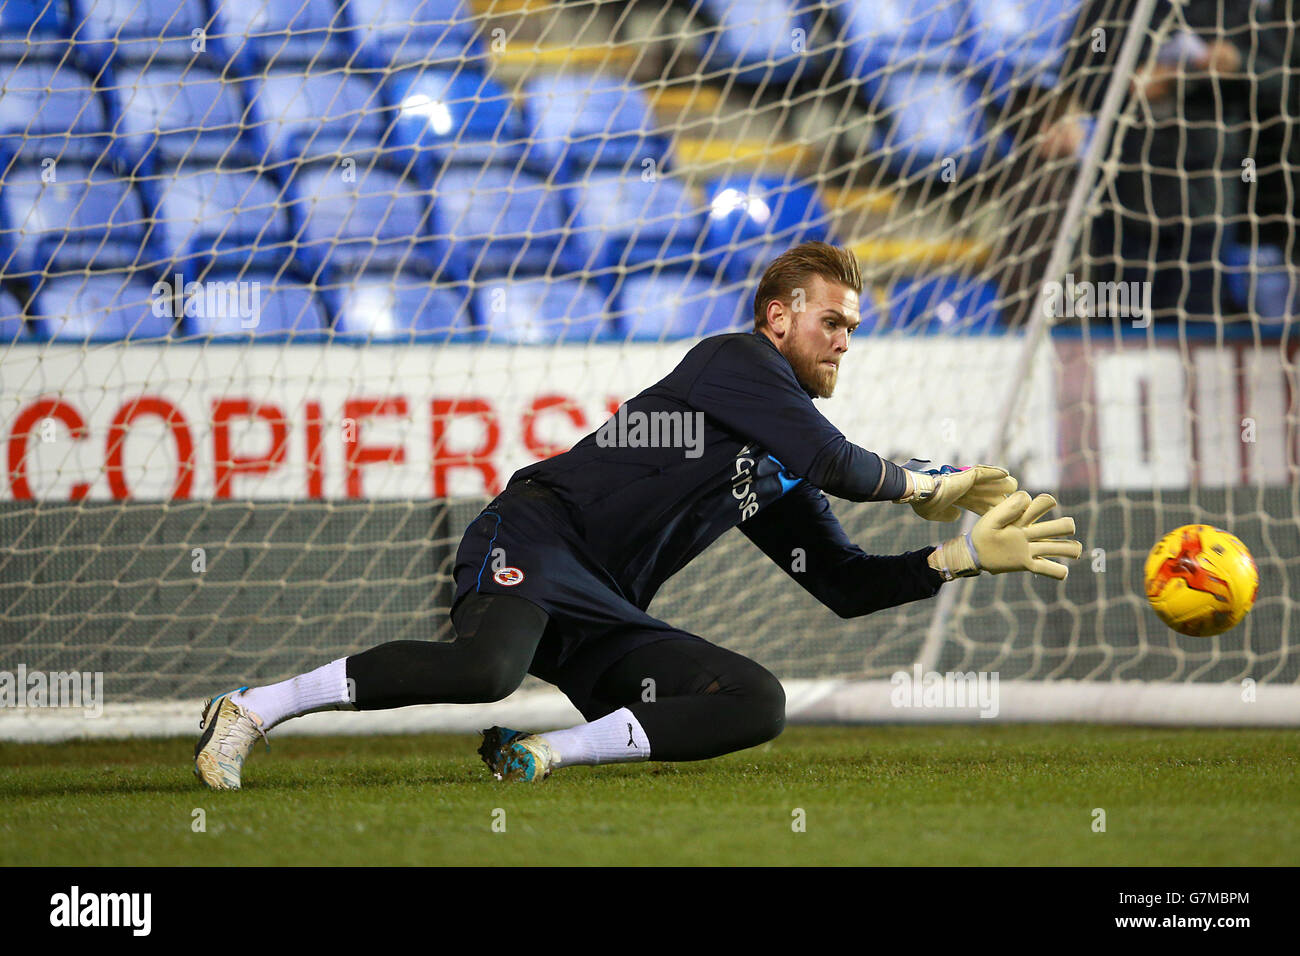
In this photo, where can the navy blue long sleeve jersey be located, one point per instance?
(761, 460)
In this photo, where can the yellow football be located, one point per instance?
(1201, 580)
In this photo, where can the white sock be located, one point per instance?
(325, 688)
(615, 738)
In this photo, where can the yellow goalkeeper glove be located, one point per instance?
(1010, 538)
(940, 494)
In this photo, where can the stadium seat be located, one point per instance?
(454, 116)
(51, 110)
(270, 34)
(872, 305)
(901, 35)
(543, 310)
(139, 32)
(394, 33)
(936, 123)
(84, 218)
(502, 222)
(23, 17)
(111, 306)
(944, 304)
(254, 303)
(667, 305)
(304, 116)
(204, 211)
(753, 219)
(625, 220)
(13, 325)
(755, 42)
(173, 115)
(1012, 43)
(374, 217)
(582, 120)
(1260, 282)
(34, 30)
(399, 305)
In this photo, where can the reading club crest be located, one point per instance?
(508, 577)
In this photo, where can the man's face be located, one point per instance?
(814, 339)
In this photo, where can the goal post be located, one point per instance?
(290, 289)
(1041, 317)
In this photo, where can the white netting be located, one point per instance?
(290, 286)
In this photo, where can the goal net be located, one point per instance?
(291, 287)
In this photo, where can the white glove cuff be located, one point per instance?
(958, 558)
(923, 488)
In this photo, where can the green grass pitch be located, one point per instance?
(868, 795)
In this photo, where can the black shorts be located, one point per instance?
(524, 544)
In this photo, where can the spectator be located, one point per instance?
(1178, 186)
(1178, 189)
(1272, 144)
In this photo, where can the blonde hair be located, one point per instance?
(793, 268)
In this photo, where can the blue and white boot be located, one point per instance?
(515, 755)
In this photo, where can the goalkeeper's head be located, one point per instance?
(807, 304)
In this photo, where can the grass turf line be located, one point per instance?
(948, 795)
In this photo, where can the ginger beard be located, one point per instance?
(810, 360)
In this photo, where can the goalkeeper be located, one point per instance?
(553, 578)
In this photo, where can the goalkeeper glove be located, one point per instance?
(940, 494)
(1010, 538)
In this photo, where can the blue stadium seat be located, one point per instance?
(254, 301)
(1259, 281)
(900, 35)
(755, 42)
(85, 218)
(543, 310)
(271, 34)
(1018, 43)
(172, 115)
(623, 219)
(13, 326)
(871, 309)
(376, 218)
(140, 31)
(202, 211)
(944, 304)
(667, 305)
(394, 33)
(934, 117)
(21, 17)
(580, 120)
(502, 222)
(399, 305)
(34, 30)
(112, 306)
(309, 116)
(454, 116)
(51, 109)
(753, 219)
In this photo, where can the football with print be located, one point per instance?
(1201, 580)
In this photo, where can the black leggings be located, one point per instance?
(496, 637)
(695, 700)
(706, 701)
